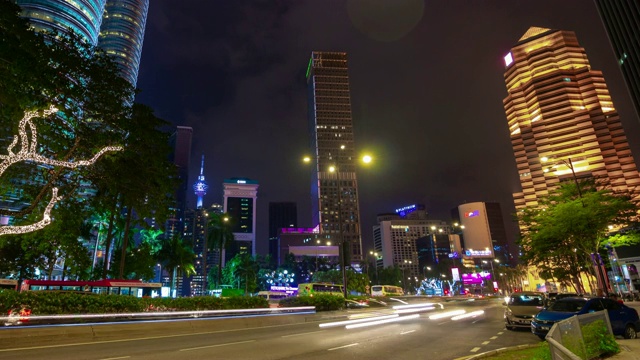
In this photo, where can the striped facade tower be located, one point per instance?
(559, 108)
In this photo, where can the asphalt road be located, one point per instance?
(420, 337)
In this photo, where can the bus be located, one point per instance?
(10, 284)
(386, 290)
(135, 288)
(309, 289)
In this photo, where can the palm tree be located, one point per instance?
(219, 237)
(175, 254)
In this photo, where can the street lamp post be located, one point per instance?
(343, 245)
(375, 264)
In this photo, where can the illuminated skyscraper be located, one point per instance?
(240, 195)
(116, 26)
(334, 196)
(122, 34)
(621, 19)
(559, 108)
(81, 16)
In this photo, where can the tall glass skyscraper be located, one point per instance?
(559, 108)
(116, 26)
(81, 16)
(334, 197)
(122, 34)
(621, 19)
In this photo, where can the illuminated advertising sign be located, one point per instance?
(284, 289)
(475, 278)
(477, 253)
(472, 213)
(455, 274)
(403, 211)
(508, 59)
(242, 181)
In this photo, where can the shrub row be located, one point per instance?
(322, 302)
(50, 302)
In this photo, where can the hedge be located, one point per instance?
(52, 302)
(322, 302)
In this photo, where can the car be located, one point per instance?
(624, 320)
(521, 307)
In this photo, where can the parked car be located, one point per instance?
(521, 307)
(624, 320)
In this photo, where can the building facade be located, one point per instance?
(484, 233)
(335, 205)
(559, 108)
(412, 241)
(281, 215)
(83, 17)
(122, 34)
(621, 19)
(240, 195)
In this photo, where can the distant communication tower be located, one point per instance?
(200, 187)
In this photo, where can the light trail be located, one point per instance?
(468, 315)
(380, 322)
(447, 314)
(348, 322)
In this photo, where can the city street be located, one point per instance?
(424, 337)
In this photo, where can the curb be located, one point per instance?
(498, 351)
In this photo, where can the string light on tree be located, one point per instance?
(28, 152)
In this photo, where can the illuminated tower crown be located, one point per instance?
(200, 187)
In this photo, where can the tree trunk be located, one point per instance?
(125, 242)
(220, 263)
(105, 257)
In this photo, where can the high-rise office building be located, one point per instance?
(122, 34)
(621, 19)
(83, 17)
(116, 26)
(240, 195)
(411, 241)
(559, 109)
(281, 215)
(334, 197)
(485, 236)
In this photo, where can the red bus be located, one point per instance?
(10, 284)
(135, 288)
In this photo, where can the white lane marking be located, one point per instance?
(342, 347)
(475, 349)
(307, 333)
(442, 323)
(145, 338)
(407, 332)
(218, 345)
(485, 342)
(121, 357)
(493, 337)
(500, 333)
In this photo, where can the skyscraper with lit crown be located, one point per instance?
(559, 108)
(334, 199)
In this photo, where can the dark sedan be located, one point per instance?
(624, 320)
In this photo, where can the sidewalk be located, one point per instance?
(629, 349)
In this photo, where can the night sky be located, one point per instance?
(426, 90)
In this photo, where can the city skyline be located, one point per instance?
(426, 94)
